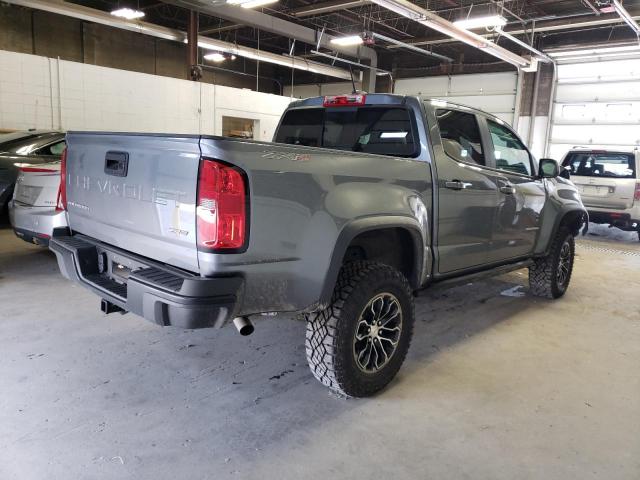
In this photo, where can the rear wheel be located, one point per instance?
(357, 344)
(550, 276)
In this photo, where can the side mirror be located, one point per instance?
(549, 168)
(565, 172)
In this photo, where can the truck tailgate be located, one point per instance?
(136, 192)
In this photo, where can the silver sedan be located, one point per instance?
(33, 211)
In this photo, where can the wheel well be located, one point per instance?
(391, 246)
(573, 221)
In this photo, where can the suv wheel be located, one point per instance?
(549, 276)
(358, 343)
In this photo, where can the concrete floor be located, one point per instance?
(496, 386)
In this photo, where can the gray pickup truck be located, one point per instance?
(361, 202)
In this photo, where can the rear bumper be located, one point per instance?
(160, 294)
(35, 224)
(628, 219)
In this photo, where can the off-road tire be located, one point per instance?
(331, 332)
(543, 274)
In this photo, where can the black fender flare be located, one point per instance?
(361, 225)
(560, 217)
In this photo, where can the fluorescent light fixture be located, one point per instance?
(251, 3)
(480, 22)
(127, 13)
(347, 41)
(215, 57)
(218, 46)
(539, 55)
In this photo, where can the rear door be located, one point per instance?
(467, 191)
(604, 179)
(136, 192)
(521, 196)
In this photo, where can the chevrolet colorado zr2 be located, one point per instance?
(360, 202)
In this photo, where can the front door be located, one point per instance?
(521, 196)
(467, 192)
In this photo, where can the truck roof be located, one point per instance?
(388, 99)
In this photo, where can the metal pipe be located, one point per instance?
(517, 41)
(410, 47)
(327, 7)
(192, 46)
(590, 5)
(349, 62)
(243, 325)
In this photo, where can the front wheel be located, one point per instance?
(358, 343)
(549, 276)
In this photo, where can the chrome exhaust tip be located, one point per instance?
(243, 325)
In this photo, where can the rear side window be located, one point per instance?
(379, 130)
(460, 136)
(601, 164)
(510, 153)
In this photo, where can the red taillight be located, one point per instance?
(637, 194)
(344, 101)
(61, 204)
(221, 210)
(36, 170)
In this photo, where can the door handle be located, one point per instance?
(508, 189)
(116, 164)
(457, 185)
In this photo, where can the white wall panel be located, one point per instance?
(25, 91)
(492, 92)
(597, 104)
(100, 98)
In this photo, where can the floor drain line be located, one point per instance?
(633, 253)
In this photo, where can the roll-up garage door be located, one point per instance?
(492, 92)
(597, 105)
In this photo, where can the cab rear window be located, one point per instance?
(379, 130)
(601, 164)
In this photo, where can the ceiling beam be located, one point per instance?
(320, 8)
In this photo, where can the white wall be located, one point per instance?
(38, 92)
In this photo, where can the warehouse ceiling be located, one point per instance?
(541, 23)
